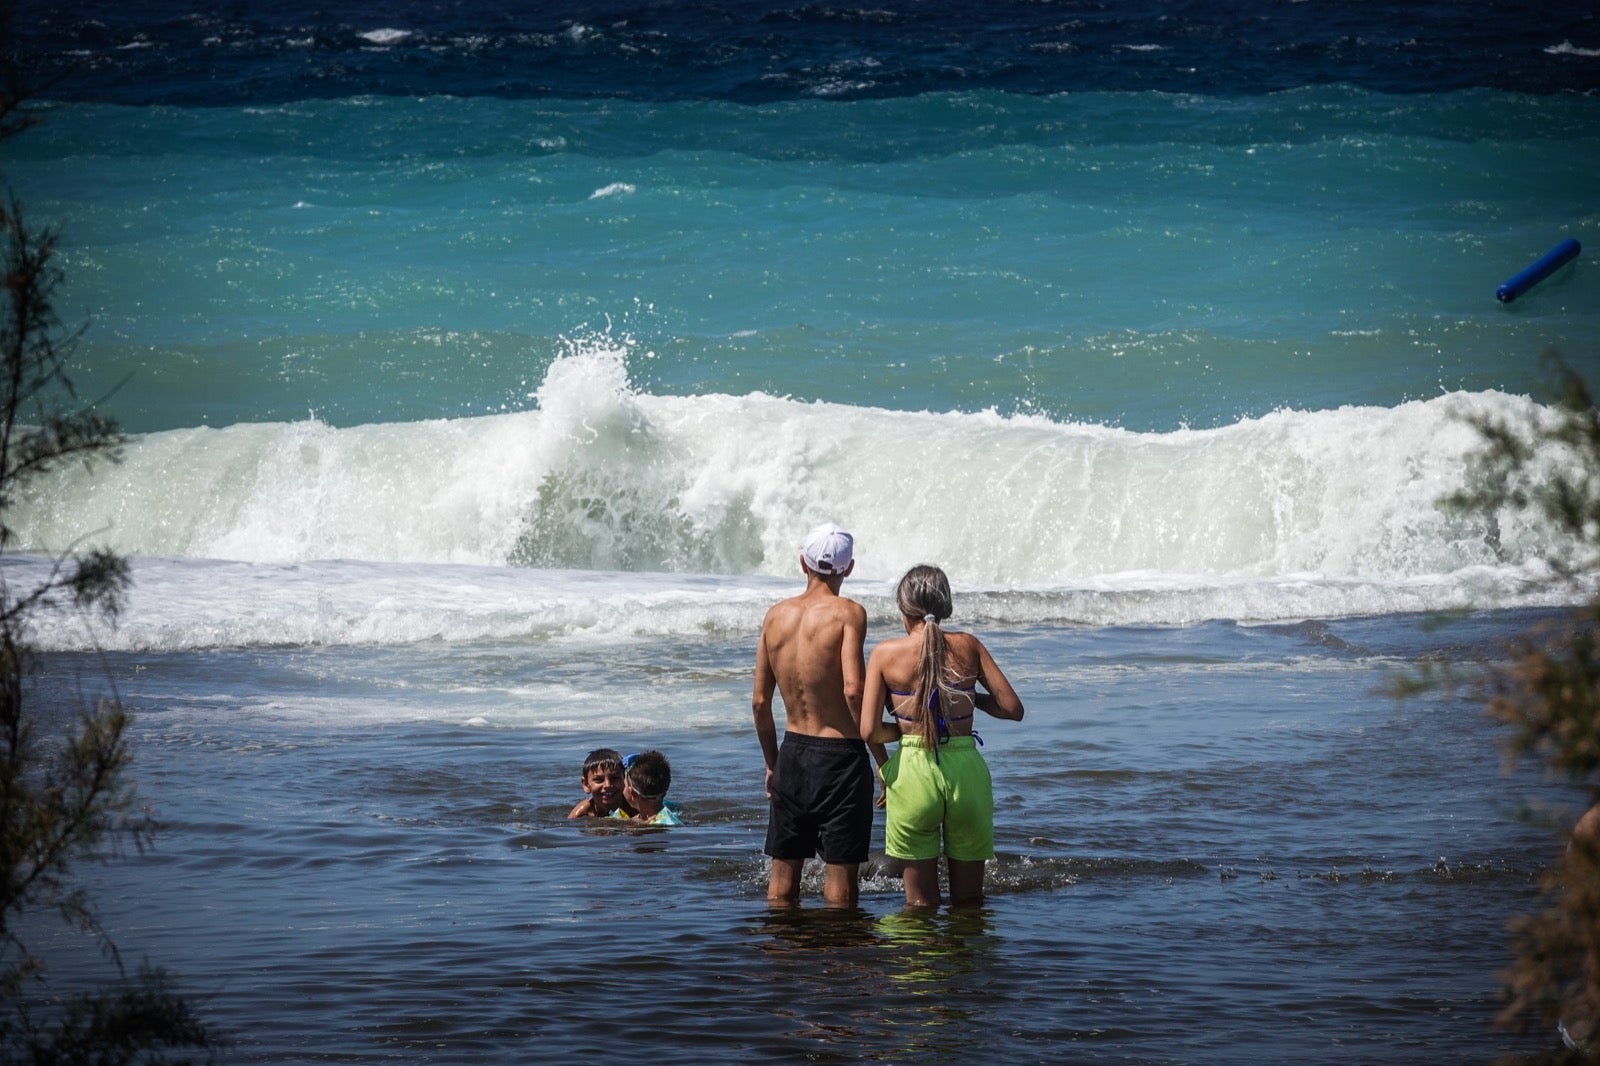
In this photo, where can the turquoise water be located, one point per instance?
(1146, 260)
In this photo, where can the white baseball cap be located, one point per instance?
(828, 550)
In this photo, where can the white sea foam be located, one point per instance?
(186, 604)
(384, 36)
(1567, 48)
(600, 512)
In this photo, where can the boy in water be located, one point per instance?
(819, 780)
(602, 780)
(646, 778)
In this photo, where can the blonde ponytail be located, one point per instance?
(924, 592)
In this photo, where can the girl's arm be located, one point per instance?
(1001, 700)
(874, 698)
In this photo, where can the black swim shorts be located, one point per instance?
(821, 800)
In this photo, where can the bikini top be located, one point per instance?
(941, 722)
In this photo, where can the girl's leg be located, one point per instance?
(921, 877)
(966, 882)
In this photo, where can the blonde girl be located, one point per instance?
(939, 798)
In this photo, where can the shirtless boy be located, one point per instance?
(819, 782)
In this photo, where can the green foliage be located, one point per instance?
(1551, 467)
(1552, 979)
(64, 792)
(133, 1021)
(1547, 692)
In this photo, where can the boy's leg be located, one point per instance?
(783, 886)
(841, 884)
(846, 832)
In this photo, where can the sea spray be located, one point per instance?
(602, 476)
(621, 488)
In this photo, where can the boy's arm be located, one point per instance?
(761, 709)
(584, 808)
(853, 658)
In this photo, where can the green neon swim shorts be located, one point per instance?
(952, 794)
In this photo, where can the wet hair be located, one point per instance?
(649, 774)
(599, 758)
(924, 595)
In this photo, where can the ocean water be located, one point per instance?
(483, 371)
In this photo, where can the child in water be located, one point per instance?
(646, 778)
(602, 781)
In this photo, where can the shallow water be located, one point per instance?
(1216, 844)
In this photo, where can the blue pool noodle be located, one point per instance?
(1542, 268)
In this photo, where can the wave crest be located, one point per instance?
(601, 476)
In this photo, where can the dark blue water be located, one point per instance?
(183, 52)
(1216, 844)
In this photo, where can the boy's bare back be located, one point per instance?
(811, 648)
